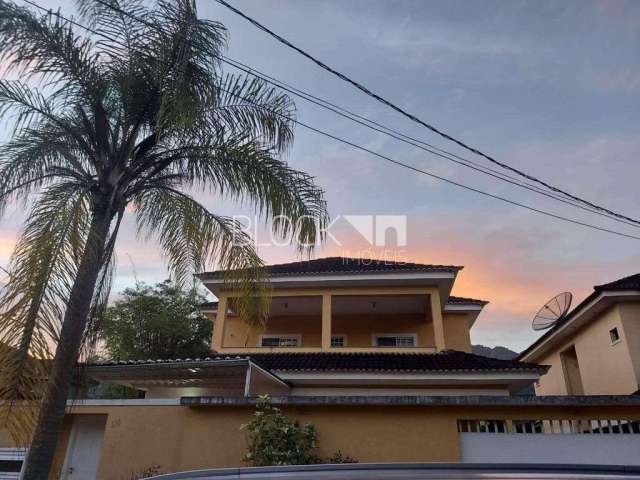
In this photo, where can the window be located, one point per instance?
(338, 340)
(615, 336)
(280, 341)
(392, 340)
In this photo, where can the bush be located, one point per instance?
(275, 439)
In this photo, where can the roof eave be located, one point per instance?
(573, 321)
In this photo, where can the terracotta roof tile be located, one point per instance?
(447, 361)
(345, 265)
(465, 301)
(632, 282)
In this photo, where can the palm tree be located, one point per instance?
(132, 119)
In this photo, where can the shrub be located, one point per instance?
(275, 439)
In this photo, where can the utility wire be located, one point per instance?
(395, 134)
(367, 150)
(359, 119)
(413, 117)
(438, 177)
(377, 126)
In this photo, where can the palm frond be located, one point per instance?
(116, 20)
(47, 48)
(42, 270)
(192, 237)
(38, 157)
(248, 105)
(184, 51)
(28, 105)
(245, 171)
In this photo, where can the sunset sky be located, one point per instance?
(552, 88)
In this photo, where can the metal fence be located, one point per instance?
(550, 426)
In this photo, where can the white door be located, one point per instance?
(85, 445)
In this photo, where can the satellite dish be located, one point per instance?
(552, 311)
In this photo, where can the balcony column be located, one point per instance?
(436, 317)
(326, 322)
(218, 324)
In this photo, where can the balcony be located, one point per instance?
(339, 321)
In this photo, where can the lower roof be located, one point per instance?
(446, 361)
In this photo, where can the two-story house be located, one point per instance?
(343, 326)
(595, 349)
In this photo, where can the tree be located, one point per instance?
(275, 439)
(130, 120)
(159, 322)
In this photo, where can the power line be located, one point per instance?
(413, 117)
(372, 152)
(412, 141)
(370, 123)
(444, 179)
(393, 133)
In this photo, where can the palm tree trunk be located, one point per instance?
(40, 457)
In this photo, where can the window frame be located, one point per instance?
(297, 337)
(375, 336)
(618, 338)
(344, 340)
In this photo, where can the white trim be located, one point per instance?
(344, 341)
(348, 276)
(446, 376)
(280, 335)
(462, 307)
(431, 391)
(375, 336)
(269, 374)
(123, 402)
(247, 382)
(575, 316)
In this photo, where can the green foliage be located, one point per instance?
(275, 439)
(158, 322)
